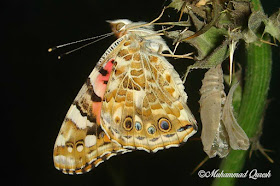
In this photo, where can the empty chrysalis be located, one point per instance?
(220, 130)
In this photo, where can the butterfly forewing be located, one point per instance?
(81, 143)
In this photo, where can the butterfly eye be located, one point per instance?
(151, 130)
(164, 124)
(138, 125)
(127, 124)
(119, 26)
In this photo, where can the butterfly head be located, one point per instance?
(119, 26)
(122, 26)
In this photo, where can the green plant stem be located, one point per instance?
(257, 79)
(257, 5)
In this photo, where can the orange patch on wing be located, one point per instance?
(106, 138)
(96, 110)
(153, 58)
(97, 161)
(123, 52)
(127, 43)
(128, 57)
(78, 171)
(136, 57)
(168, 78)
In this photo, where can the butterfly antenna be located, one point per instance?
(100, 37)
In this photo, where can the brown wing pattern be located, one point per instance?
(81, 143)
(144, 106)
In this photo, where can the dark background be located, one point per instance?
(37, 90)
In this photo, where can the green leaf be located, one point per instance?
(254, 23)
(273, 25)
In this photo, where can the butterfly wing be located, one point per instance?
(144, 105)
(81, 143)
(78, 150)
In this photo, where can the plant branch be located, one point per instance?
(257, 79)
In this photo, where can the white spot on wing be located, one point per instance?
(187, 137)
(75, 115)
(92, 160)
(111, 155)
(70, 149)
(138, 97)
(104, 154)
(80, 148)
(157, 149)
(172, 145)
(90, 140)
(62, 160)
(99, 163)
(142, 148)
(60, 141)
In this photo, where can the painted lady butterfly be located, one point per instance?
(133, 99)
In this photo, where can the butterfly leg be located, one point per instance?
(171, 54)
(188, 56)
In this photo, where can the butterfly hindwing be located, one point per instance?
(144, 103)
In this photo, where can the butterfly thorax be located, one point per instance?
(141, 33)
